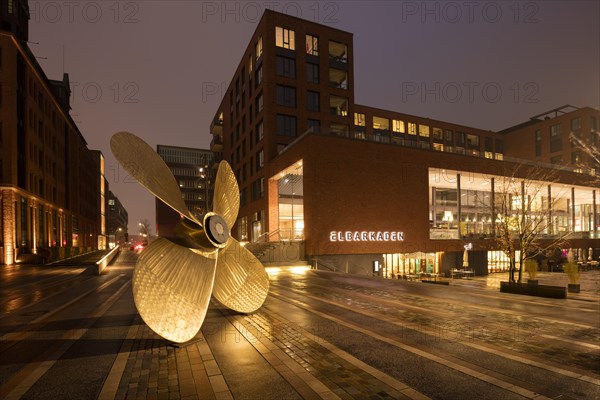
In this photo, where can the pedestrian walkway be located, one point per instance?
(589, 282)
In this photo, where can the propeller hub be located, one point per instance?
(217, 229)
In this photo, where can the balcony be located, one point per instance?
(216, 144)
(216, 127)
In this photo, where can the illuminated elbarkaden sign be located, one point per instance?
(365, 236)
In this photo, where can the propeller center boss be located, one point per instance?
(216, 229)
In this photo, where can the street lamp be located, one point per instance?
(144, 232)
(115, 234)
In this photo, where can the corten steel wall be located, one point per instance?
(354, 185)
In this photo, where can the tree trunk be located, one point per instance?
(511, 269)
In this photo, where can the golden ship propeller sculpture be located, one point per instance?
(174, 277)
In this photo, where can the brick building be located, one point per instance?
(49, 180)
(356, 186)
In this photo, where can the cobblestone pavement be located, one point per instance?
(319, 335)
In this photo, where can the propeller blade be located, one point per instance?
(241, 282)
(226, 200)
(171, 288)
(146, 166)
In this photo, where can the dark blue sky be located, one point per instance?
(159, 68)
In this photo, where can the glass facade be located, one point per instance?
(290, 194)
(411, 265)
(464, 205)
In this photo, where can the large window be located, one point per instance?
(488, 147)
(398, 126)
(412, 128)
(285, 67)
(555, 138)
(423, 131)
(381, 124)
(312, 45)
(313, 101)
(286, 125)
(258, 189)
(314, 125)
(339, 129)
(473, 145)
(259, 76)
(338, 51)
(285, 38)
(260, 159)
(359, 119)
(576, 127)
(259, 132)
(259, 47)
(338, 78)
(259, 104)
(499, 149)
(286, 96)
(312, 73)
(338, 105)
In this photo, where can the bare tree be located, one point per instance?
(589, 149)
(526, 211)
(145, 229)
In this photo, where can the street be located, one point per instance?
(68, 333)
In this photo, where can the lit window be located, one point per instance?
(338, 78)
(338, 105)
(338, 51)
(380, 123)
(359, 119)
(398, 126)
(412, 128)
(312, 45)
(424, 130)
(259, 48)
(250, 66)
(285, 38)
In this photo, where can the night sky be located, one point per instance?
(160, 68)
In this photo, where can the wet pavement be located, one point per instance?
(319, 335)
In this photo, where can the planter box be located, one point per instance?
(574, 287)
(554, 292)
(436, 282)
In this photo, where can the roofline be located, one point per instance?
(181, 148)
(28, 55)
